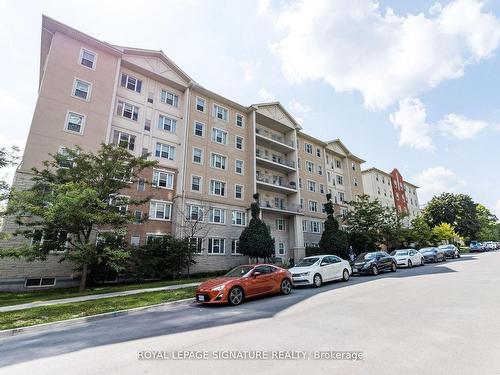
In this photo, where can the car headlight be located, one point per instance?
(218, 288)
(304, 274)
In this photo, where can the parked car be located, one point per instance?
(244, 282)
(408, 258)
(475, 247)
(315, 270)
(432, 254)
(450, 251)
(374, 262)
(490, 246)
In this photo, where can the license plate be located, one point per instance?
(354, 269)
(201, 298)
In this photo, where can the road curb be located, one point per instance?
(91, 318)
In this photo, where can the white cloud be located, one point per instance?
(354, 45)
(249, 69)
(410, 120)
(266, 95)
(460, 127)
(297, 106)
(437, 180)
(263, 6)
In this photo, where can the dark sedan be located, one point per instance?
(433, 254)
(373, 263)
(450, 251)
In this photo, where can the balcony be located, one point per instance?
(283, 187)
(281, 208)
(276, 142)
(280, 164)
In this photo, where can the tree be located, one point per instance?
(333, 240)
(365, 222)
(8, 158)
(392, 230)
(458, 210)
(420, 232)
(489, 225)
(444, 232)
(255, 240)
(75, 195)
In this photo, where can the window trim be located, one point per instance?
(242, 120)
(226, 161)
(172, 125)
(244, 218)
(203, 131)
(222, 215)
(191, 184)
(209, 252)
(126, 83)
(242, 142)
(82, 49)
(196, 104)
(214, 140)
(89, 93)
(163, 171)
(242, 167)
(217, 195)
(82, 128)
(166, 93)
(202, 155)
(164, 144)
(242, 192)
(167, 203)
(214, 113)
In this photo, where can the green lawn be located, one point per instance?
(15, 298)
(47, 314)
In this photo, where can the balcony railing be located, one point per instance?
(282, 183)
(273, 136)
(290, 207)
(281, 161)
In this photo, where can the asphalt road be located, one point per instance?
(435, 319)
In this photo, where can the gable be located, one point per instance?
(277, 113)
(157, 66)
(337, 148)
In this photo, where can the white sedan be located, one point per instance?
(408, 258)
(315, 270)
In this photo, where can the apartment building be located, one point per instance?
(392, 191)
(213, 154)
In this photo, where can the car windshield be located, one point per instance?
(399, 252)
(445, 247)
(367, 256)
(239, 271)
(427, 250)
(307, 262)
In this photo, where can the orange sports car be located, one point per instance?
(243, 282)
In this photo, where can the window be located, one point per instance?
(66, 160)
(322, 188)
(88, 58)
(217, 188)
(313, 206)
(120, 203)
(75, 122)
(163, 179)
(135, 240)
(344, 212)
(127, 110)
(218, 161)
(235, 247)
(311, 186)
(200, 104)
(217, 216)
(199, 127)
(124, 140)
(238, 191)
(341, 197)
(300, 183)
(353, 165)
(197, 243)
(281, 248)
(216, 245)
(131, 83)
(219, 136)
(239, 120)
(159, 210)
(318, 152)
(315, 226)
(154, 238)
(197, 155)
(239, 218)
(320, 170)
(165, 151)
(151, 96)
(220, 112)
(195, 213)
(239, 142)
(355, 181)
(40, 282)
(338, 163)
(280, 224)
(81, 89)
(304, 225)
(301, 203)
(195, 183)
(138, 216)
(166, 123)
(147, 124)
(340, 180)
(141, 184)
(308, 148)
(238, 166)
(169, 98)
(309, 166)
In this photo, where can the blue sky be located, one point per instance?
(406, 84)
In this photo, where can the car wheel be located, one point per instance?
(422, 261)
(317, 280)
(286, 286)
(394, 267)
(235, 296)
(458, 255)
(410, 265)
(375, 270)
(345, 275)
(444, 258)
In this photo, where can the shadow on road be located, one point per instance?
(171, 319)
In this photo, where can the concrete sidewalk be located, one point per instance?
(93, 297)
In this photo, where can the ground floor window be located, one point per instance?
(235, 247)
(216, 245)
(281, 248)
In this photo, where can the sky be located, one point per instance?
(412, 85)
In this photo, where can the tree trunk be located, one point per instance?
(83, 280)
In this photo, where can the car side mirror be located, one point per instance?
(256, 273)
(323, 264)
